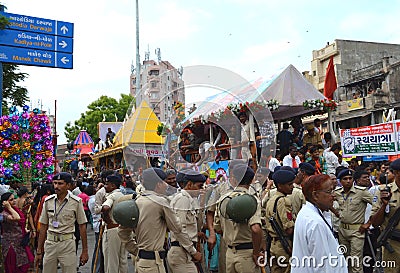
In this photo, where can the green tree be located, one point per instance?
(103, 109)
(13, 93)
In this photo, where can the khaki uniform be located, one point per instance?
(238, 237)
(186, 208)
(218, 191)
(297, 199)
(59, 246)
(394, 204)
(285, 212)
(116, 258)
(155, 216)
(352, 215)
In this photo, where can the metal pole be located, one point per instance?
(55, 136)
(138, 95)
(1, 78)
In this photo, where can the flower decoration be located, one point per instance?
(322, 105)
(26, 150)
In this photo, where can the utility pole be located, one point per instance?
(1, 77)
(138, 91)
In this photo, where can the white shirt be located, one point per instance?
(96, 217)
(273, 163)
(314, 243)
(332, 162)
(287, 161)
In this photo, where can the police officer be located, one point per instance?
(352, 201)
(283, 214)
(187, 209)
(155, 216)
(218, 191)
(60, 211)
(383, 208)
(244, 240)
(116, 258)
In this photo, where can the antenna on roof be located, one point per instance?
(158, 53)
(147, 54)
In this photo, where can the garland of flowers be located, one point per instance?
(163, 129)
(26, 148)
(179, 110)
(323, 105)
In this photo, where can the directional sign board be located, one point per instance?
(39, 25)
(35, 40)
(26, 56)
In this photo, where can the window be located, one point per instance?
(134, 81)
(153, 84)
(314, 73)
(154, 72)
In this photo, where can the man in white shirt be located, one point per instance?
(292, 159)
(331, 158)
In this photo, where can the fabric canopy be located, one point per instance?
(289, 87)
(83, 143)
(141, 127)
(83, 138)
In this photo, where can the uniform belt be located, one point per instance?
(176, 243)
(242, 246)
(350, 226)
(151, 255)
(60, 237)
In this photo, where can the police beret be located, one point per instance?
(288, 168)
(395, 165)
(243, 172)
(345, 172)
(277, 168)
(180, 177)
(283, 177)
(193, 176)
(114, 178)
(67, 177)
(154, 174)
(307, 168)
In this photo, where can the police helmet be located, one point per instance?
(241, 208)
(126, 213)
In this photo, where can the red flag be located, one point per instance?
(330, 84)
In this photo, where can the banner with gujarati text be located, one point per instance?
(379, 139)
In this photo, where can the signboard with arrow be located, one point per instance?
(37, 41)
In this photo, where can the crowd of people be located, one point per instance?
(305, 202)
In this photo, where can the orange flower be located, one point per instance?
(7, 124)
(26, 145)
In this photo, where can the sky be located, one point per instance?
(254, 38)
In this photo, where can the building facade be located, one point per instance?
(161, 86)
(368, 78)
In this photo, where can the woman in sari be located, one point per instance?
(17, 258)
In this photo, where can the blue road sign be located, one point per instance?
(39, 25)
(24, 39)
(26, 56)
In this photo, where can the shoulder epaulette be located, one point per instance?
(360, 187)
(339, 188)
(50, 197)
(74, 197)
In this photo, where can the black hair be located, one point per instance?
(129, 184)
(89, 190)
(339, 169)
(335, 146)
(106, 173)
(285, 125)
(357, 174)
(327, 136)
(23, 190)
(4, 197)
(313, 149)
